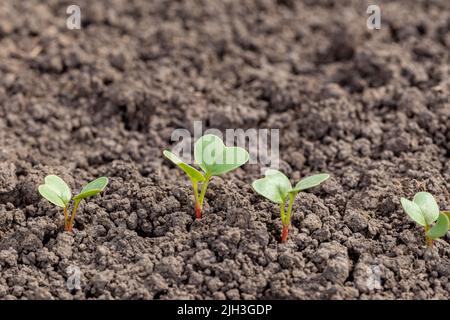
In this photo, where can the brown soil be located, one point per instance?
(370, 107)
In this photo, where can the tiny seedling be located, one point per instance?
(425, 211)
(56, 191)
(276, 187)
(214, 159)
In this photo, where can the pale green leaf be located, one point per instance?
(440, 228)
(274, 186)
(413, 211)
(59, 187)
(447, 213)
(92, 188)
(49, 194)
(428, 206)
(194, 174)
(214, 158)
(311, 181)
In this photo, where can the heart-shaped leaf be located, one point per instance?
(214, 158)
(274, 186)
(56, 191)
(413, 211)
(194, 174)
(428, 206)
(92, 188)
(440, 228)
(310, 182)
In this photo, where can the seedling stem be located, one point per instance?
(428, 240)
(201, 198)
(284, 233)
(72, 217)
(286, 216)
(66, 218)
(198, 210)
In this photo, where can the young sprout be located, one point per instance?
(56, 191)
(425, 211)
(215, 159)
(276, 187)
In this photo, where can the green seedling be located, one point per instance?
(425, 211)
(214, 159)
(56, 191)
(276, 187)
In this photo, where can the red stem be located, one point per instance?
(284, 233)
(198, 211)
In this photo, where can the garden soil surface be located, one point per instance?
(371, 107)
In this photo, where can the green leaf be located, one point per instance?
(274, 186)
(413, 211)
(428, 206)
(92, 188)
(447, 213)
(194, 174)
(60, 187)
(51, 195)
(311, 181)
(214, 158)
(55, 187)
(440, 228)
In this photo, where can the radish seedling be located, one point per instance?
(56, 191)
(215, 159)
(425, 211)
(276, 187)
